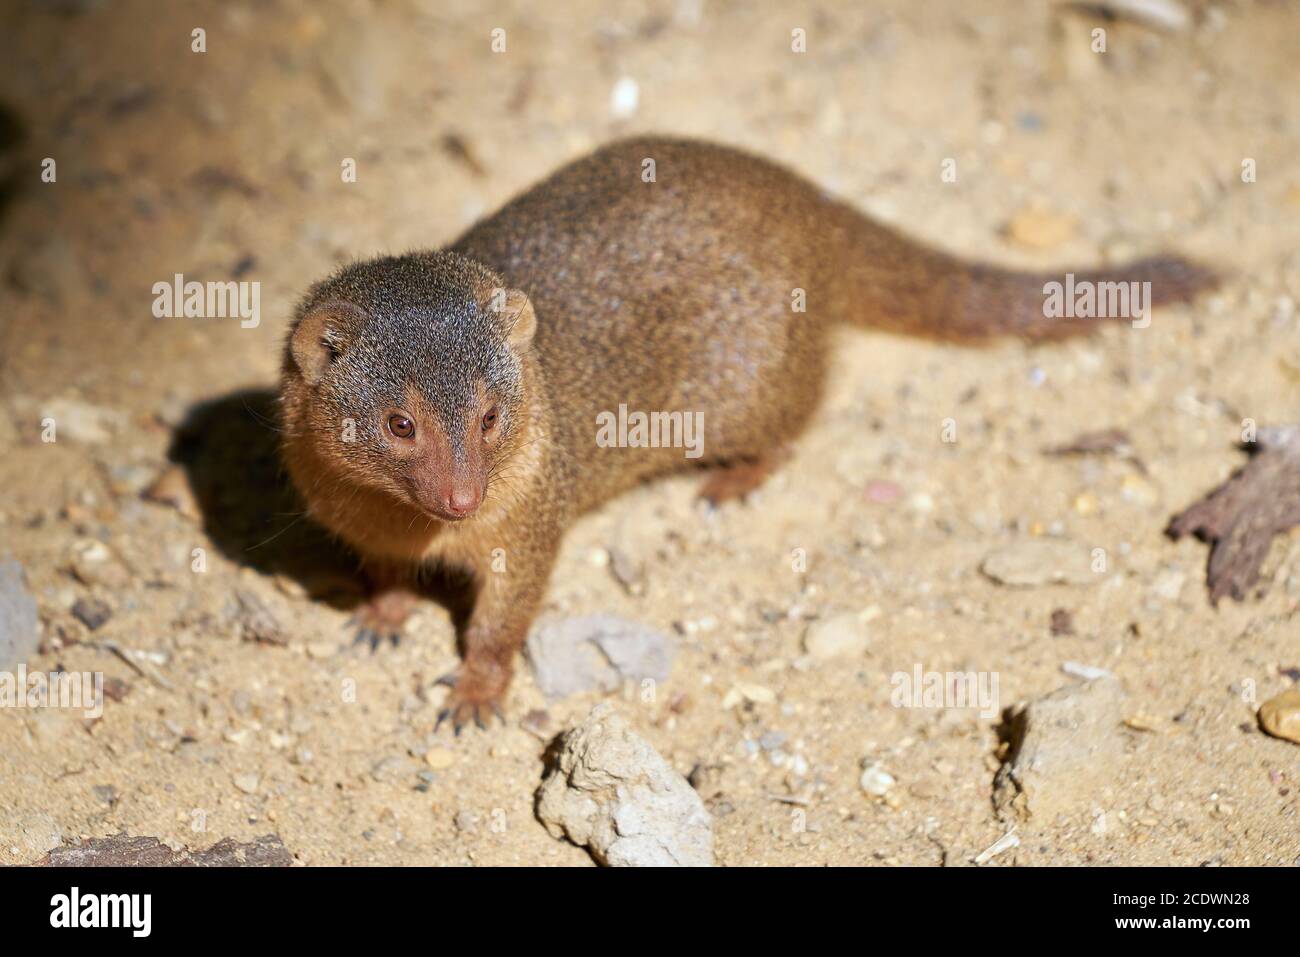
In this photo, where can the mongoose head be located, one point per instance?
(406, 375)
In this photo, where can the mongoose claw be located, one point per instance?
(374, 638)
(467, 703)
(381, 619)
(463, 713)
(443, 715)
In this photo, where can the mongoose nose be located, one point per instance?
(463, 500)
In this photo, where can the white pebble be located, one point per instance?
(624, 98)
(876, 780)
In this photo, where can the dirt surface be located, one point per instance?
(237, 709)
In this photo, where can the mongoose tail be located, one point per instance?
(903, 286)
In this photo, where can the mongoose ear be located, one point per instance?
(519, 314)
(321, 335)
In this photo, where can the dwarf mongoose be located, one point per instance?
(442, 407)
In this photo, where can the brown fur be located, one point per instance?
(666, 295)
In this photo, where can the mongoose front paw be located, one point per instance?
(473, 697)
(381, 619)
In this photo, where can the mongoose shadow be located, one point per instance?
(12, 136)
(229, 449)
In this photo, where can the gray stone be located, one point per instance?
(123, 851)
(596, 652)
(612, 793)
(17, 617)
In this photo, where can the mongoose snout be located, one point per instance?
(446, 474)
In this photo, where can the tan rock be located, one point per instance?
(1065, 748)
(439, 758)
(1040, 229)
(1042, 561)
(840, 636)
(1280, 715)
(172, 488)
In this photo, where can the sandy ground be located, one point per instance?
(226, 165)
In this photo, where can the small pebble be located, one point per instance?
(1040, 229)
(1280, 715)
(840, 636)
(106, 793)
(1138, 490)
(440, 758)
(1029, 121)
(172, 487)
(94, 564)
(537, 723)
(744, 691)
(389, 770)
(876, 780)
(1168, 584)
(1087, 672)
(1062, 622)
(92, 612)
(624, 98)
(883, 492)
(1034, 562)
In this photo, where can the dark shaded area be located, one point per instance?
(1241, 517)
(123, 851)
(12, 135)
(229, 448)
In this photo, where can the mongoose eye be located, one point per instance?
(401, 426)
(489, 420)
